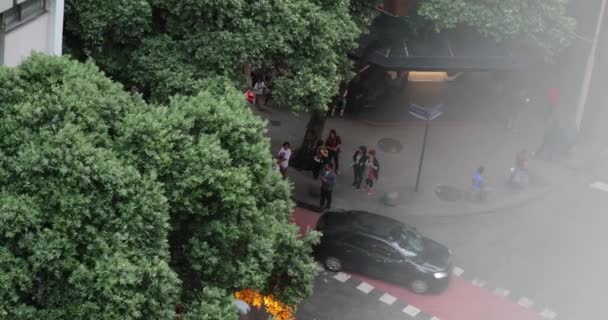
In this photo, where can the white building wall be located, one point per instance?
(21, 41)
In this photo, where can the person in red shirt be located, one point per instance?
(333, 143)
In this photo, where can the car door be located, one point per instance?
(387, 263)
(356, 254)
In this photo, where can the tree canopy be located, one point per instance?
(116, 209)
(543, 22)
(165, 47)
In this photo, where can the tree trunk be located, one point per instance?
(314, 132)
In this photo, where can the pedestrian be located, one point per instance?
(341, 105)
(519, 174)
(284, 155)
(328, 181)
(553, 97)
(333, 143)
(259, 89)
(359, 159)
(520, 101)
(372, 171)
(320, 158)
(478, 184)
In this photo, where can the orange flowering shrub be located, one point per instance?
(276, 308)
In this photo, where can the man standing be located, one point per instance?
(328, 180)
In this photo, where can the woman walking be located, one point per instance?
(372, 168)
(333, 143)
(359, 159)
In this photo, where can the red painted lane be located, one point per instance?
(461, 301)
(305, 219)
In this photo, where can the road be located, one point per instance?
(547, 254)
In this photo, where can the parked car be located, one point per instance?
(383, 248)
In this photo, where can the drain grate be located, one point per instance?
(390, 145)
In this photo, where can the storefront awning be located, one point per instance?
(456, 50)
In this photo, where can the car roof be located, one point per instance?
(363, 221)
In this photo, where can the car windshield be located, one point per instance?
(410, 240)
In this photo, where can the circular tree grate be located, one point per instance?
(390, 145)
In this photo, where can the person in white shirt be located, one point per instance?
(259, 89)
(284, 156)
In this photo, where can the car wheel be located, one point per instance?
(333, 264)
(419, 286)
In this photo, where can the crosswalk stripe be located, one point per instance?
(548, 314)
(388, 299)
(365, 287)
(602, 186)
(342, 277)
(411, 311)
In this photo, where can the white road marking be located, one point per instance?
(602, 186)
(525, 302)
(342, 277)
(457, 271)
(365, 287)
(501, 292)
(548, 314)
(434, 318)
(319, 267)
(479, 283)
(411, 311)
(388, 299)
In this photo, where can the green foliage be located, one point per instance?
(107, 200)
(214, 304)
(172, 44)
(82, 232)
(543, 21)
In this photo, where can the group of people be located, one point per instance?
(326, 167)
(518, 178)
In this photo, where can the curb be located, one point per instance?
(538, 195)
(523, 301)
(469, 213)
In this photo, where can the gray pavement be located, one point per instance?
(334, 300)
(467, 136)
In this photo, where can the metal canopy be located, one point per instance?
(456, 50)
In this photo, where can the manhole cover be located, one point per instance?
(275, 123)
(390, 145)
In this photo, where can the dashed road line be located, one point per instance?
(598, 185)
(479, 283)
(501, 292)
(388, 299)
(458, 271)
(411, 311)
(525, 302)
(342, 277)
(548, 314)
(365, 287)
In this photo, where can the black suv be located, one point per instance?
(383, 248)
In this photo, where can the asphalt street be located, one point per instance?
(547, 255)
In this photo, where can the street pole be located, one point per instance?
(426, 133)
(582, 100)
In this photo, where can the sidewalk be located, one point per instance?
(456, 146)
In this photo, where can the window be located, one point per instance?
(21, 13)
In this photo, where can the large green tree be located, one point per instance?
(116, 209)
(543, 22)
(166, 47)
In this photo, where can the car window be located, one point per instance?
(385, 251)
(357, 240)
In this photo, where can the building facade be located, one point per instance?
(27, 26)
